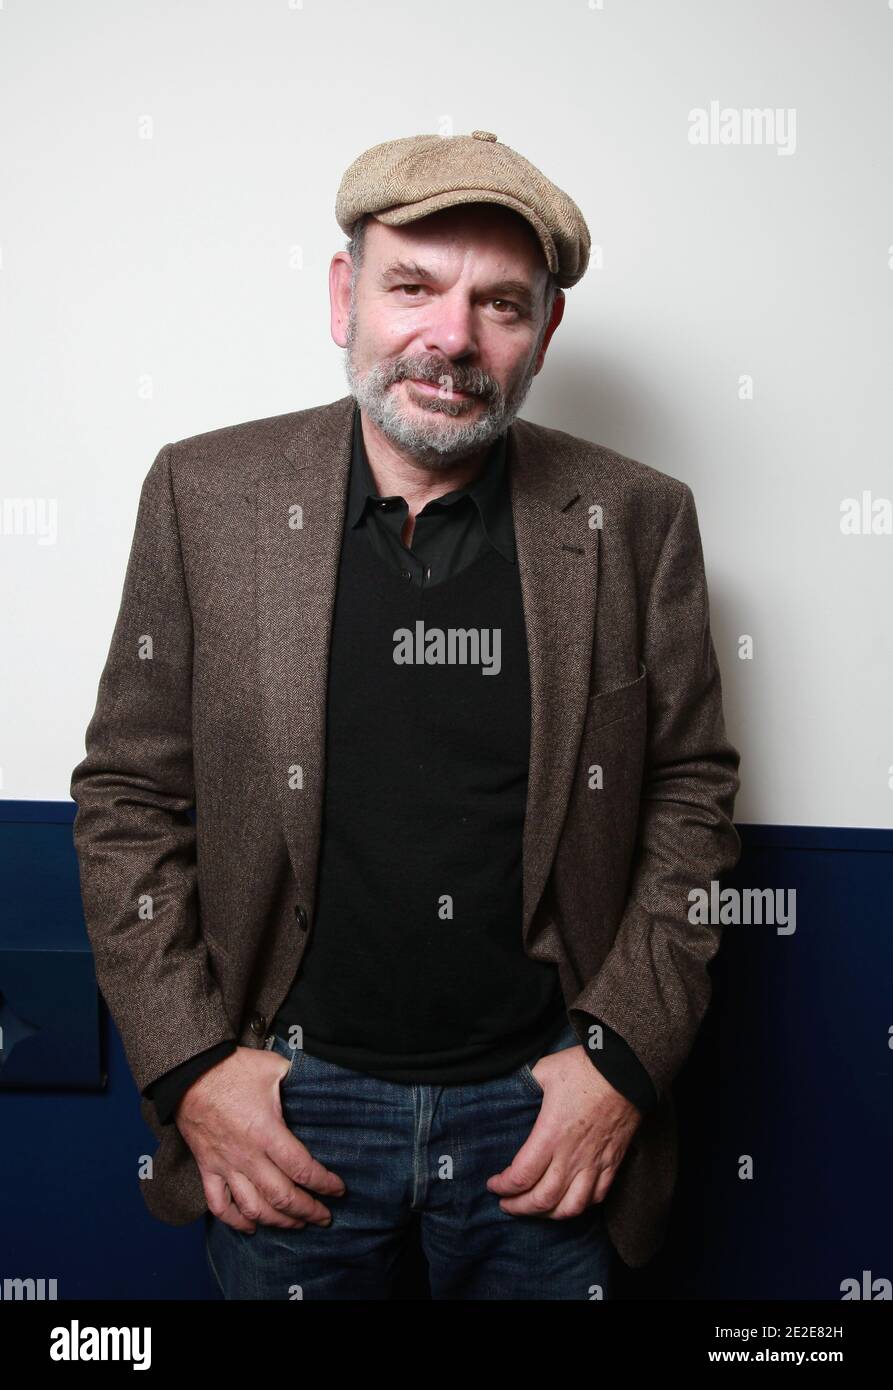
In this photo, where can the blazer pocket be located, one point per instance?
(605, 706)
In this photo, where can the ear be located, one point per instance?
(554, 320)
(340, 272)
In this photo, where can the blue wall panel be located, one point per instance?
(792, 1067)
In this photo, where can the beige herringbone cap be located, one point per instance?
(403, 180)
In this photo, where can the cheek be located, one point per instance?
(511, 361)
(384, 334)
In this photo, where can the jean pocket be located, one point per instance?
(530, 1080)
(565, 1037)
(294, 1055)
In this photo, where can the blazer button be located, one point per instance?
(258, 1024)
(300, 917)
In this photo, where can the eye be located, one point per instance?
(509, 305)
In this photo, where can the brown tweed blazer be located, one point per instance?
(214, 694)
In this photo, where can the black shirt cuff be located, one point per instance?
(620, 1066)
(166, 1092)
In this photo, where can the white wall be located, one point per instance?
(127, 260)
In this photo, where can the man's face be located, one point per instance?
(446, 328)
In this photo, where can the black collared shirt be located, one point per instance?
(450, 531)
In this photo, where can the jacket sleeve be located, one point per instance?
(133, 835)
(167, 1092)
(653, 986)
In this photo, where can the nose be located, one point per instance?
(449, 328)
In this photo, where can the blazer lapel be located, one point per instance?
(558, 563)
(300, 505)
(300, 514)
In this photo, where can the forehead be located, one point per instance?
(487, 230)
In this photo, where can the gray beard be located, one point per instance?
(436, 445)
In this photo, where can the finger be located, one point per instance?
(298, 1163)
(220, 1203)
(542, 1197)
(603, 1186)
(577, 1198)
(254, 1205)
(527, 1167)
(277, 1189)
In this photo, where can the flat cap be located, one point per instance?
(402, 180)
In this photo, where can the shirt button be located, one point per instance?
(258, 1024)
(300, 917)
(406, 574)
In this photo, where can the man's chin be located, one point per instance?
(436, 438)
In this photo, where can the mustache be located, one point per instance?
(472, 380)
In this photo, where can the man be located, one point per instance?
(441, 687)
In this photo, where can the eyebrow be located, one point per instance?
(414, 273)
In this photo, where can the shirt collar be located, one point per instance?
(489, 490)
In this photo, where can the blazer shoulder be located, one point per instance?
(607, 469)
(249, 446)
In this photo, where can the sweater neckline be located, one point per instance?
(383, 572)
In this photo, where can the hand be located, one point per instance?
(252, 1166)
(573, 1152)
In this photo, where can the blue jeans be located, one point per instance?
(403, 1148)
